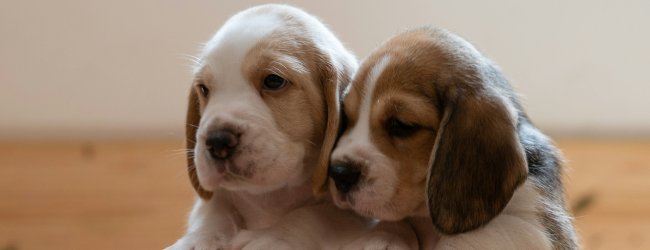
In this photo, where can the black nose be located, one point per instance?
(345, 176)
(221, 143)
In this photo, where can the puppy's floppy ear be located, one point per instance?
(477, 161)
(191, 125)
(333, 81)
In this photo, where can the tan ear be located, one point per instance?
(191, 125)
(476, 163)
(333, 83)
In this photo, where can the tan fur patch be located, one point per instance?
(191, 125)
(477, 162)
(299, 108)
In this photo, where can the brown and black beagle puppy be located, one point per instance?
(436, 136)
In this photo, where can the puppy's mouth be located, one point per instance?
(343, 200)
(228, 169)
(347, 201)
(361, 200)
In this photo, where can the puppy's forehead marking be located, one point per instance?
(361, 132)
(225, 52)
(223, 56)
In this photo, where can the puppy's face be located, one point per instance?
(391, 124)
(430, 132)
(260, 100)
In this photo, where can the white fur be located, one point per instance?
(234, 102)
(517, 227)
(364, 200)
(357, 146)
(279, 183)
(235, 38)
(361, 132)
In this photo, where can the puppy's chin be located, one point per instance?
(364, 202)
(247, 172)
(248, 187)
(390, 211)
(211, 180)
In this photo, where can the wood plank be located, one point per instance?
(121, 195)
(135, 194)
(615, 176)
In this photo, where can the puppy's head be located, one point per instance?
(263, 109)
(431, 131)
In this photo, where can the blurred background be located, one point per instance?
(93, 95)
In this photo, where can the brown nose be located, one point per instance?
(221, 143)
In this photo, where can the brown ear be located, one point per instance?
(191, 125)
(333, 82)
(476, 163)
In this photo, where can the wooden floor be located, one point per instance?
(135, 195)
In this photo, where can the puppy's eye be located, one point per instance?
(397, 128)
(274, 82)
(204, 90)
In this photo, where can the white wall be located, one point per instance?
(117, 68)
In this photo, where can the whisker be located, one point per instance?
(193, 59)
(179, 152)
(182, 150)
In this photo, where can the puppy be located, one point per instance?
(435, 135)
(262, 114)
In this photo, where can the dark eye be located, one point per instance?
(204, 90)
(397, 128)
(274, 82)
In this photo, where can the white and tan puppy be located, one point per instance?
(263, 114)
(436, 136)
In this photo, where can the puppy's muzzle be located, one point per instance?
(221, 143)
(345, 175)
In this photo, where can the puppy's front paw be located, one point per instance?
(378, 241)
(198, 241)
(263, 240)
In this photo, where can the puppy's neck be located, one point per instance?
(427, 235)
(262, 210)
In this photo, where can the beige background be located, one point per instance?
(108, 69)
